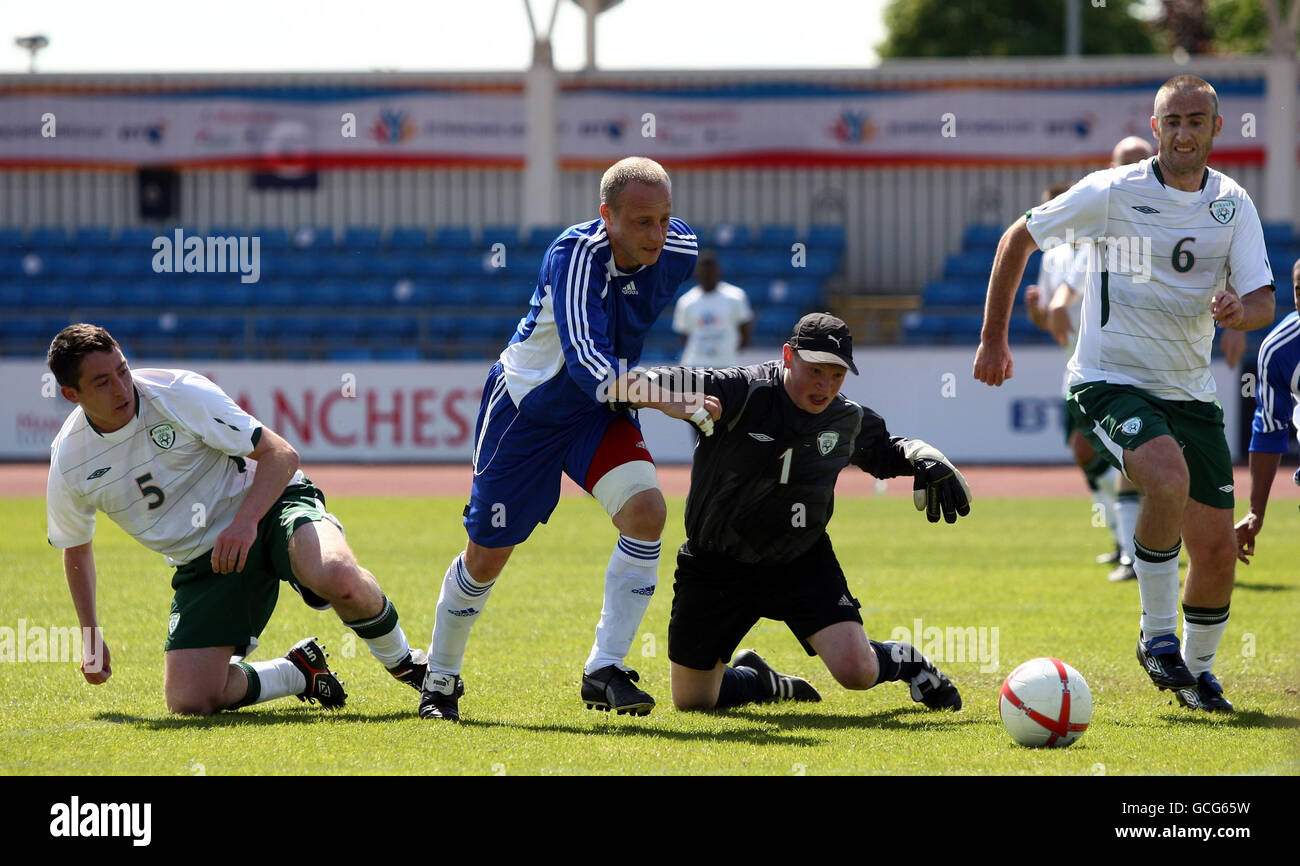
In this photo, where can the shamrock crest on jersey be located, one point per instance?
(163, 435)
(826, 441)
(1223, 210)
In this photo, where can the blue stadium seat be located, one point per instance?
(97, 293)
(952, 293)
(353, 263)
(139, 237)
(47, 237)
(361, 238)
(456, 293)
(312, 237)
(1277, 234)
(726, 235)
(960, 265)
(93, 237)
(825, 235)
(775, 321)
(541, 236)
(388, 329)
(231, 292)
(441, 327)
(14, 295)
(453, 237)
(500, 234)
(408, 238)
(979, 237)
(11, 239)
(350, 353)
(271, 237)
(778, 237)
(802, 292)
(397, 353)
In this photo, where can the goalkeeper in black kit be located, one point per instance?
(762, 493)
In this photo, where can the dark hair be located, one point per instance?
(1056, 189)
(73, 344)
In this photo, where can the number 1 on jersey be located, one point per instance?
(786, 456)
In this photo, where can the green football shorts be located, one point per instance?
(1119, 418)
(210, 609)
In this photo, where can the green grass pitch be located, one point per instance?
(1021, 567)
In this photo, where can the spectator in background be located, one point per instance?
(713, 318)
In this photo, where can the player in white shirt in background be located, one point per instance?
(1166, 231)
(171, 459)
(714, 317)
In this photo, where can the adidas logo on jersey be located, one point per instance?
(630, 289)
(845, 601)
(98, 472)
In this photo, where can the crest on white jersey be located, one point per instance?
(826, 441)
(1223, 210)
(163, 435)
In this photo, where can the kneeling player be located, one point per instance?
(762, 493)
(170, 458)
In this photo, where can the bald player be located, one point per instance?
(1140, 380)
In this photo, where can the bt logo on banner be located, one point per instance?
(1037, 414)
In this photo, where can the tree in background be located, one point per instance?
(1009, 28)
(1242, 26)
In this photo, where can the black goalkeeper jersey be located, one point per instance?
(763, 485)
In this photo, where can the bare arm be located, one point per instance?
(646, 392)
(993, 364)
(1263, 469)
(1058, 313)
(79, 569)
(1253, 311)
(276, 462)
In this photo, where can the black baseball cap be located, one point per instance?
(820, 338)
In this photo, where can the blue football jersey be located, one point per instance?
(587, 320)
(1278, 388)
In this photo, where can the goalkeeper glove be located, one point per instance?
(937, 485)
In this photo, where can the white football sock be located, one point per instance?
(459, 604)
(383, 635)
(1157, 577)
(1104, 495)
(267, 681)
(630, 581)
(1202, 630)
(1126, 518)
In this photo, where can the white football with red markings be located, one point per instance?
(1045, 702)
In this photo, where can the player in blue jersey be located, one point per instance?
(1277, 394)
(557, 402)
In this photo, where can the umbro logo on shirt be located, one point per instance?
(762, 437)
(98, 472)
(1141, 208)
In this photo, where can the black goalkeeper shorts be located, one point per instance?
(717, 600)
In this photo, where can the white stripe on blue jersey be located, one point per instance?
(586, 318)
(1278, 387)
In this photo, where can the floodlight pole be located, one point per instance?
(541, 199)
(32, 44)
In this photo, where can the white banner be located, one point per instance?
(771, 123)
(414, 413)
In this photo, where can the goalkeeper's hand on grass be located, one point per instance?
(937, 485)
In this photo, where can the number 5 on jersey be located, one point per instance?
(151, 490)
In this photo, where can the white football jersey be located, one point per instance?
(1157, 256)
(711, 322)
(173, 477)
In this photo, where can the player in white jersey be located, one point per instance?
(713, 317)
(171, 459)
(1164, 233)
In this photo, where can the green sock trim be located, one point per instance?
(254, 690)
(378, 626)
(1205, 615)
